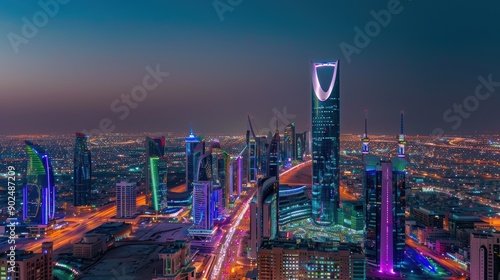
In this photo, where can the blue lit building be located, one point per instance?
(82, 172)
(39, 192)
(325, 142)
(191, 143)
(293, 204)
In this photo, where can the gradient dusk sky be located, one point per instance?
(427, 58)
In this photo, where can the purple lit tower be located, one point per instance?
(39, 192)
(384, 187)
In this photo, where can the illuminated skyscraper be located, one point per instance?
(156, 173)
(191, 143)
(273, 154)
(289, 146)
(300, 145)
(325, 142)
(365, 150)
(82, 172)
(384, 185)
(39, 192)
(401, 139)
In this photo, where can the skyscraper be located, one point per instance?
(289, 146)
(273, 156)
(300, 145)
(82, 172)
(126, 199)
(384, 184)
(191, 143)
(156, 173)
(401, 139)
(39, 192)
(365, 149)
(325, 142)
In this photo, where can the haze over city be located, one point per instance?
(427, 58)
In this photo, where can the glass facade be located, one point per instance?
(385, 183)
(39, 192)
(82, 172)
(156, 173)
(325, 144)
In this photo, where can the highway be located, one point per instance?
(458, 271)
(73, 233)
(227, 240)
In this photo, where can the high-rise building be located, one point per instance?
(484, 255)
(289, 146)
(306, 259)
(39, 192)
(156, 173)
(191, 143)
(300, 145)
(325, 142)
(384, 184)
(365, 149)
(28, 265)
(264, 215)
(82, 172)
(273, 156)
(126, 195)
(205, 210)
(401, 139)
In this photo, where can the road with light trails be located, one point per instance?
(458, 271)
(227, 239)
(73, 233)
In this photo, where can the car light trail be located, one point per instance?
(222, 253)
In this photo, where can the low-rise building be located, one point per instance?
(90, 246)
(27, 265)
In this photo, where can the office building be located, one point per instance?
(264, 215)
(82, 172)
(176, 262)
(300, 145)
(125, 199)
(289, 146)
(384, 184)
(293, 204)
(306, 259)
(484, 255)
(353, 215)
(90, 246)
(156, 174)
(39, 192)
(28, 265)
(325, 142)
(191, 143)
(206, 208)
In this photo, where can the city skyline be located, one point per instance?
(238, 60)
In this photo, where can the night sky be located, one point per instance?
(255, 61)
